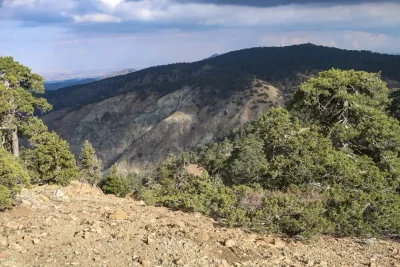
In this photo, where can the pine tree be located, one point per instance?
(18, 101)
(90, 165)
(115, 183)
(50, 160)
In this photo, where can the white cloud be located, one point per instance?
(95, 18)
(169, 11)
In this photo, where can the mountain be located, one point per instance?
(139, 118)
(212, 56)
(54, 85)
(57, 84)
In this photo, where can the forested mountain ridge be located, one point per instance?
(282, 66)
(139, 118)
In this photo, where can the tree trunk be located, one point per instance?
(15, 143)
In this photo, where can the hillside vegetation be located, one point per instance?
(328, 165)
(284, 67)
(138, 119)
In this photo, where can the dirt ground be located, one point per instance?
(79, 226)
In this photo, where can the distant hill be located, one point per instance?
(57, 84)
(54, 85)
(212, 56)
(139, 118)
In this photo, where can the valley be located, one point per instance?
(138, 119)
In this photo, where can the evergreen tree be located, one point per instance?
(12, 177)
(90, 164)
(115, 183)
(50, 160)
(18, 87)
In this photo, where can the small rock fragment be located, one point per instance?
(43, 198)
(119, 215)
(15, 246)
(145, 262)
(229, 243)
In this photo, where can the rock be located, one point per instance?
(278, 243)
(151, 227)
(150, 240)
(275, 261)
(179, 224)
(3, 241)
(180, 261)
(44, 199)
(203, 236)
(268, 239)
(229, 243)
(126, 237)
(323, 264)
(35, 241)
(367, 241)
(145, 262)
(59, 193)
(142, 203)
(15, 246)
(119, 215)
(26, 203)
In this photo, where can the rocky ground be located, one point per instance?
(79, 226)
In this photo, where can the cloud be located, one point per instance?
(350, 14)
(95, 18)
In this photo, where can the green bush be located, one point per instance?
(50, 160)
(115, 184)
(90, 165)
(12, 177)
(331, 166)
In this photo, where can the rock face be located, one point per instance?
(137, 132)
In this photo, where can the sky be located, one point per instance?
(69, 36)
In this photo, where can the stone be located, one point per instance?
(275, 261)
(150, 240)
(367, 241)
(268, 239)
(180, 261)
(151, 227)
(229, 243)
(15, 246)
(44, 199)
(59, 193)
(3, 241)
(119, 215)
(279, 243)
(35, 241)
(179, 224)
(26, 203)
(203, 236)
(145, 262)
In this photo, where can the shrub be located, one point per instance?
(50, 160)
(115, 184)
(90, 165)
(12, 177)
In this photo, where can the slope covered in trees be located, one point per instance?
(329, 165)
(284, 67)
